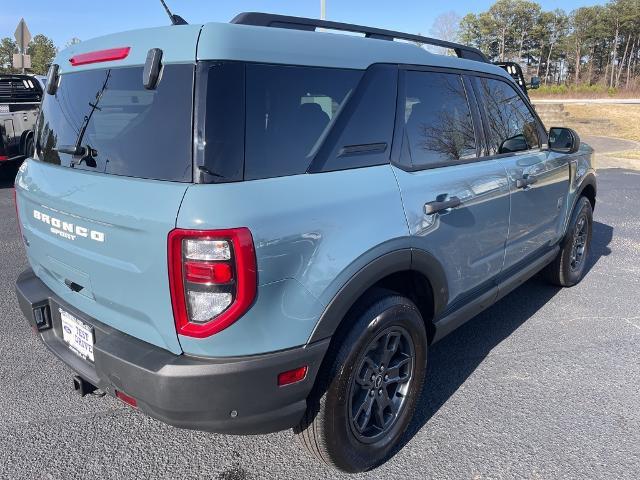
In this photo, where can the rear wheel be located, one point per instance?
(29, 149)
(569, 267)
(366, 393)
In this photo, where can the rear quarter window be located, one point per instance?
(289, 111)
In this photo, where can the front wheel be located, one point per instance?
(368, 388)
(571, 263)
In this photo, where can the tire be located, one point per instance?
(30, 148)
(569, 267)
(328, 430)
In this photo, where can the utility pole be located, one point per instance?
(323, 9)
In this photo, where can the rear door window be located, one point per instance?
(289, 111)
(121, 128)
(438, 123)
(511, 127)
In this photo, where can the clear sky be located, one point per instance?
(64, 19)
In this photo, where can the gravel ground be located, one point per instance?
(542, 385)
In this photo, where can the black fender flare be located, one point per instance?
(588, 180)
(405, 259)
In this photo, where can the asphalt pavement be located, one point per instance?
(545, 384)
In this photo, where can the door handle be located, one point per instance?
(437, 206)
(526, 181)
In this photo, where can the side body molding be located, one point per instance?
(405, 259)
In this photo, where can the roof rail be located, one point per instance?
(310, 24)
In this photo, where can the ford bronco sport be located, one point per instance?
(255, 226)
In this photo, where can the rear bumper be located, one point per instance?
(184, 391)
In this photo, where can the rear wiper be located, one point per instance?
(70, 150)
(85, 153)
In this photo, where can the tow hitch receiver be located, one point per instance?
(82, 387)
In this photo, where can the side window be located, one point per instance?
(438, 122)
(362, 136)
(511, 127)
(289, 111)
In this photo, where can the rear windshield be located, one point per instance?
(106, 121)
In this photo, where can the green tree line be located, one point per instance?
(589, 45)
(42, 51)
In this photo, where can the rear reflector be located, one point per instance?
(100, 56)
(292, 376)
(3, 157)
(127, 399)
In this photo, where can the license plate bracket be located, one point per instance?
(78, 336)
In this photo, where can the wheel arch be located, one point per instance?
(588, 189)
(411, 272)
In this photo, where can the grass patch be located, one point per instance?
(584, 91)
(621, 121)
(629, 154)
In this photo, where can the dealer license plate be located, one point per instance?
(77, 335)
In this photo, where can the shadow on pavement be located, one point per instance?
(7, 177)
(453, 359)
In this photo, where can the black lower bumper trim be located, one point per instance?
(236, 395)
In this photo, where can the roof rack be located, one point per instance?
(310, 24)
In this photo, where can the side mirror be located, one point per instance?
(535, 83)
(563, 140)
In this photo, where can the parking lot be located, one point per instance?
(545, 384)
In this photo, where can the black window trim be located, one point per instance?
(542, 134)
(201, 82)
(399, 131)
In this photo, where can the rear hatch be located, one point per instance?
(96, 222)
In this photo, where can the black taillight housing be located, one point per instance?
(212, 278)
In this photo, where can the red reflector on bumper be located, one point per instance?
(127, 399)
(108, 55)
(292, 376)
(3, 157)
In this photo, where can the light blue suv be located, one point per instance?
(255, 226)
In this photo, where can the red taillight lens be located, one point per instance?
(292, 376)
(129, 400)
(207, 273)
(212, 278)
(3, 157)
(98, 56)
